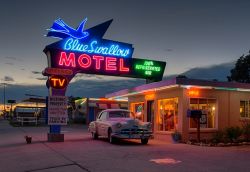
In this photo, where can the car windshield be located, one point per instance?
(120, 114)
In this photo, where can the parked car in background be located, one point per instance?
(120, 124)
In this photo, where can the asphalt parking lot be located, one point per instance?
(79, 153)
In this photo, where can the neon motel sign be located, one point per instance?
(85, 51)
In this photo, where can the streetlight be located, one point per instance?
(4, 84)
(4, 108)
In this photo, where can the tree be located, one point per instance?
(241, 71)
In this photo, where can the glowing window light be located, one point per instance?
(241, 110)
(149, 96)
(193, 93)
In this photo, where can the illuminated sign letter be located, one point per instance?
(54, 81)
(86, 58)
(58, 82)
(122, 68)
(111, 63)
(67, 61)
(61, 82)
(98, 61)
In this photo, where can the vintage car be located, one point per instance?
(120, 124)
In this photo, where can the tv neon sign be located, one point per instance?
(58, 82)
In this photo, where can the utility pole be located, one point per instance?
(4, 97)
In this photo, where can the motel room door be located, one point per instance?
(150, 112)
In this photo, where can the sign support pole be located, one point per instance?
(55, 134)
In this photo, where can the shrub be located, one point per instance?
(176, 136)
(246, 130)
(218, 137)
(233, 133)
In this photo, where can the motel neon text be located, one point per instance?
(96, 62)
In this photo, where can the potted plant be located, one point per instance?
(176, 136)
(28, 139)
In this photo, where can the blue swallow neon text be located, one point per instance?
(95, 48)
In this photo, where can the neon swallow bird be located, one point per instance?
(60, 29)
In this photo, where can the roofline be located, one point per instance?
(181, 82)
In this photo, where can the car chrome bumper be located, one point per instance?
(133, 135)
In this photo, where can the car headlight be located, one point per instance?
(118, 125)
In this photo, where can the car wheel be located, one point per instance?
(144, 141)
(94, 135)
(110, 138)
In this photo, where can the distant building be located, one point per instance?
(88, 108)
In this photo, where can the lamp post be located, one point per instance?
(4, 108)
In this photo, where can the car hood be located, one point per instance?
(128, 121)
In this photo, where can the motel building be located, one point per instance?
(166, 104)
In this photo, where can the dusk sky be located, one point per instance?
(185, 34)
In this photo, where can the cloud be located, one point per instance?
(13, 58)
(87, 76)
(9, 63)
(99, 88)
(17, 92)
(81, 88)
(36, 72)
(169, 50)
(42, 78)
(7, 79)
(218, 72)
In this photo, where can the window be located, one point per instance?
(245, 109)
(207, 106)
(167, 114)
(120, 114)
(138, 109)
(103, 116)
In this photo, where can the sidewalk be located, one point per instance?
(17, 156)
(80, 153)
